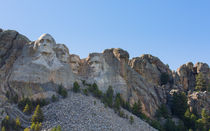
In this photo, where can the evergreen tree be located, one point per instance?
(3, 129)
(108, 98)
(200, 82)
(17, 124)
(38, 115)
(76, 87)
(26, 109)
(26, 129)
(179, 104)
(137, 109)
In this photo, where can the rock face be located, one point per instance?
(199, 100)
(111, 68)
(35, 69)
(187, 76)
(40, 63)
(150, 68)
(11, 45)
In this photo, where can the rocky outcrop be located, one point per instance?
(37, 68)
(150, 68)
(198, 101)
(111, 68)
(11, 46)
(187, 76)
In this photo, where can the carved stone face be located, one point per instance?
(45, 55)
(62, 53)
(95, 64)
(45, 44)
(75, 63)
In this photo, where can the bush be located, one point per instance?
(85, 91)
(121, 114)
(131, 120)
(58, 128)
(54, 98)
(164, 78)
(76, 87)
(94, 89)
(62, 91)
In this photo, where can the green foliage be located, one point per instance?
(26, 129)
(164, 78)
(54, 98)
(17, 124)
(62, 91)
(85, 91)
(3, 129)
(156, 125)
(121, 113)
(117, 102)
(204, 122)
(8, 124)
(38, 115)
(95, 91)
(58, 128)
(170, 125)
(31, 103)
(36, 126)
(108, 97)
(162, 112)
(137, 109)
(76, 87)
(200, 83)
(26, 109)
(131, 120)
(189, 119)
(179, 104)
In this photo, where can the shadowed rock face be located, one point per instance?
(11, 45)
(75, 63)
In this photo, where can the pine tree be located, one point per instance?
(200, 82)
(137, 108)
(179, 104)
(76, 87)
(17, 123)
(38, 115)
(3, 129)
(26, 129)
(26, 109)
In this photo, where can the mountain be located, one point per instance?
(36, 70)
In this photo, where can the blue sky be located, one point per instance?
(176, 31)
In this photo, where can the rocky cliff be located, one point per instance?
(35, 69)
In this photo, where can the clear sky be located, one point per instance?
(176, 31)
